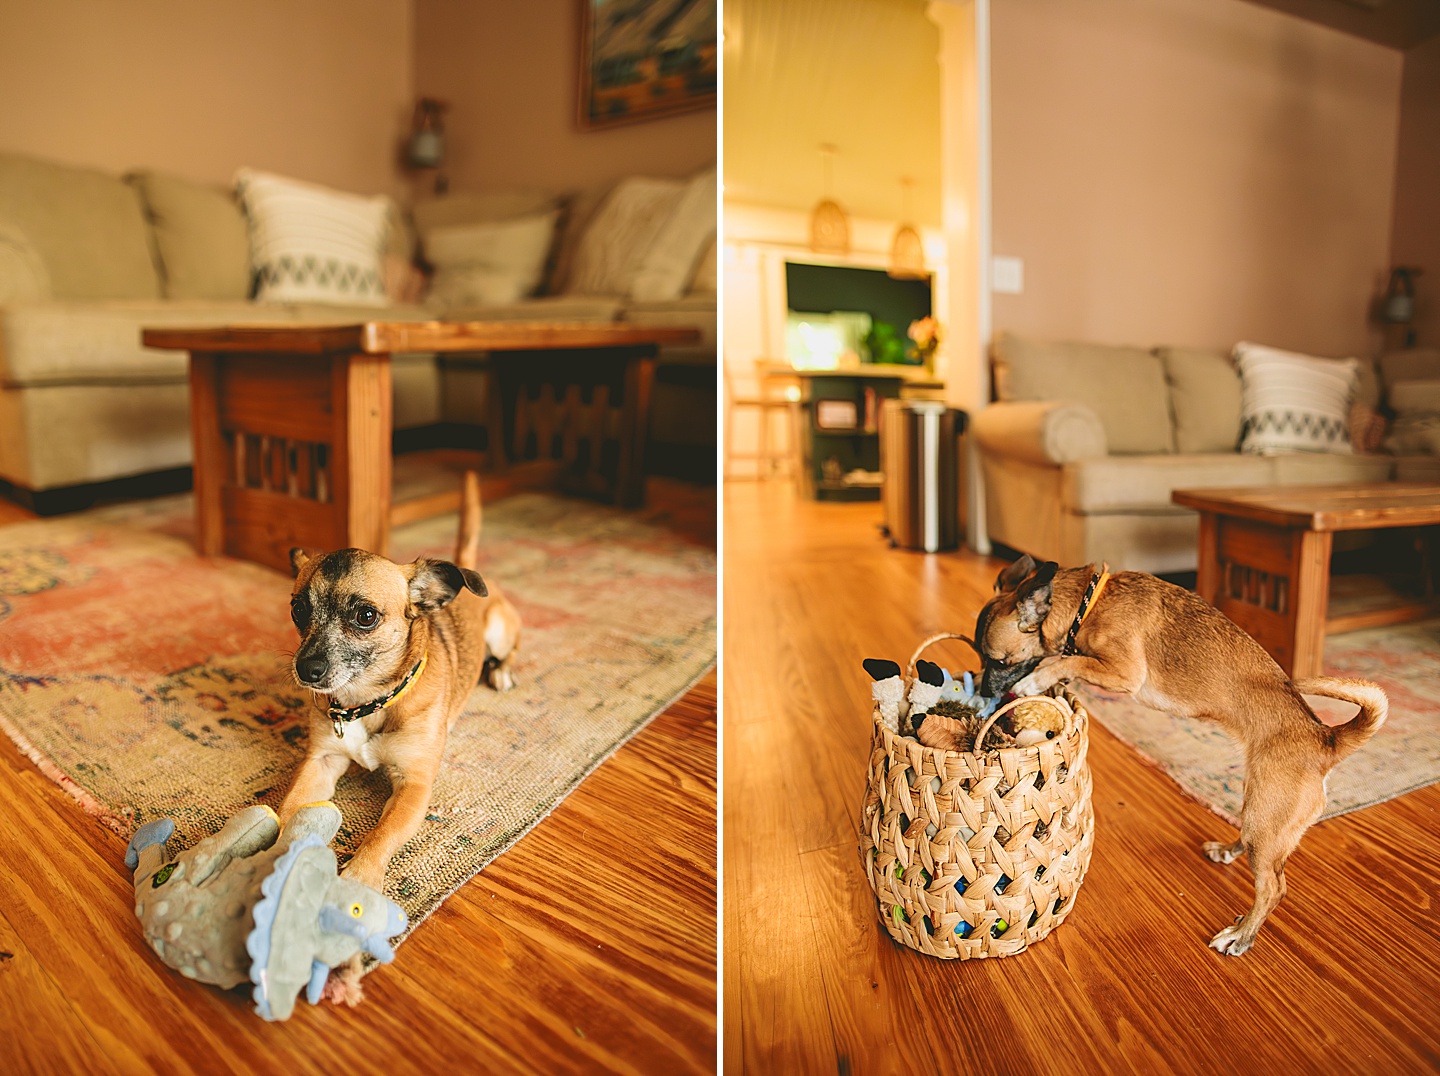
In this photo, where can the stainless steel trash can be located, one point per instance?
(919, 459)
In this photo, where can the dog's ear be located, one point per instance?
(301, 557)
(1032, 598)
(1012, 576)
(434, 583)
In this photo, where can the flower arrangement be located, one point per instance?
(926, 335)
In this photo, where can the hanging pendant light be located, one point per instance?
(907, 252)
(829, 226)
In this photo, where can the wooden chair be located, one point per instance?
(773, 391)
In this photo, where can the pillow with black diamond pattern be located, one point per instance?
(1292, 402)
(312, 244)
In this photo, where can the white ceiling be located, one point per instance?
(863, 75)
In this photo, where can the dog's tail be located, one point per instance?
(467, 546)
(1372, 700)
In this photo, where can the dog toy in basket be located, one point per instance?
(973, 849)
(258, 904)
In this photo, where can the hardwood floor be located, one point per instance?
(588, 946)
(1345, 974)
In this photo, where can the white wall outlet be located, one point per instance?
(1007, 275)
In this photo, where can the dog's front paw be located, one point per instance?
(1037, 683)
(1232, 941)
(343, 986)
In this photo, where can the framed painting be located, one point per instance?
(643, 59)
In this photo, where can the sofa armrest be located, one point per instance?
(1047, 432)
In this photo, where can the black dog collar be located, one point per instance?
(340, 716)
(1092, 592)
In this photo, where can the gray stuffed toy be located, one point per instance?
(253, 903)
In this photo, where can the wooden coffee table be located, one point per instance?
(1264, 558)
(291, 424)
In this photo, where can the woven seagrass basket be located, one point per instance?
(977, 853)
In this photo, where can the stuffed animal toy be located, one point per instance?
(888, 690)
(925, 691)
(1032, 722)
(258, 904)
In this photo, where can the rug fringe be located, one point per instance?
(47, 768)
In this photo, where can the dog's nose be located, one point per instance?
(312, 670)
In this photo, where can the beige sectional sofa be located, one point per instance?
(1086, 443)
(87, 259)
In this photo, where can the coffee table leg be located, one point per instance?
(208, 451)
(361, 402)
(1207, 559)
(635, 429)
(1309, 600)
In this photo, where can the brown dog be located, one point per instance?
(412, 638)
(1175, 652)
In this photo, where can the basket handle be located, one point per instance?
(941, 637)
(1066, 711)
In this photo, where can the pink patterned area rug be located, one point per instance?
(149, 681)
(1403, 756)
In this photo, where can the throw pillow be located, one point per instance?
(23, 276)
(706, 270)
(1204, 399)
(490, 262)
(312, 244)
(1294, 402)
(669, 263)
(200, 237)
(624, 228)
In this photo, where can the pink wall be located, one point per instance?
(1416, 238)
(508, 69)
(1192, 172)
(319, 90)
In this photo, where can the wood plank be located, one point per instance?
(1127, 984)
(362, 394)
(1309, 600)
(43, 1032)
(207, 446)
(635, 843)
(274, 395)
(383, 337)
(1354, 506)
(266, 524)
(634, 431)
(1403, 613)
(1255, 545)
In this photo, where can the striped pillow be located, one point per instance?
(313, 244)
(1293, 403)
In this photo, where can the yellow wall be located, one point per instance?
(508, 68)
(319, 90)
(859, 74)
(1191, 172)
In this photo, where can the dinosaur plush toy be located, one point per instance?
(258, 904)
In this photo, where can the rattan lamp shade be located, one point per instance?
(829, 229)
(907, 255)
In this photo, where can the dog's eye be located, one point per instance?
(366, 617)
(300, 612)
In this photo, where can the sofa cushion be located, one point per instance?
(622, 232)
(1204, 399)
(706, 270)
(488, 262)
(1324, 468)
(669, 264)
(1144, 483)
(577, 212)
(23, 276)
(65, 343)
(544, 308)
(88, 229)
(310, 243)
(1294, 402)
(200, 237)
(1124, 386)
(1413, 364)
(687, 312)
(1417, 395)
(1043, 432)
